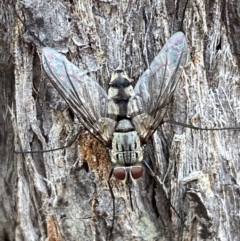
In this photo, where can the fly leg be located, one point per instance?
(55, 149)
(159, 183)
(113, 203)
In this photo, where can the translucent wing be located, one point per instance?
(154, 89)
(87, 98)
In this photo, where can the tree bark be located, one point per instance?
(63, 195)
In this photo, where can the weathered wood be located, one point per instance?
(63, 195)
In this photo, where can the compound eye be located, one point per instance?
(136, 172)
(119, 173)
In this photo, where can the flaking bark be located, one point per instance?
(63, 195)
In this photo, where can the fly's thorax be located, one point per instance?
(126, 149)
(126, 153)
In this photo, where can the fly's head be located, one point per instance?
(127, 174)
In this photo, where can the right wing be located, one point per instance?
(154, 89)
(88, 100)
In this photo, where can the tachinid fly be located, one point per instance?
(125, 118)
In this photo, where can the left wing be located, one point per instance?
(155, 88)
(88, 100)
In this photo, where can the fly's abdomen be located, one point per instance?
(120, 91)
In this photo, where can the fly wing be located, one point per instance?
(88, 100)
(154, 89)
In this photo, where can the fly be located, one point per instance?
(125, 118)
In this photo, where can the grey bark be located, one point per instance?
(63, 195)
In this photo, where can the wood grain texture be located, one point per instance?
(63, 195)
